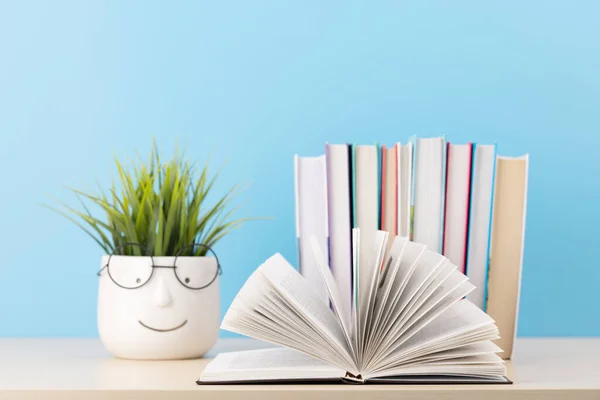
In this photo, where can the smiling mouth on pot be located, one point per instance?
(163, 330)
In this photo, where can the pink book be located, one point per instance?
(457, 197)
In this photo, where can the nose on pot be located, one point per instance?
(162, 296)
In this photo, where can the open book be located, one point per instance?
(408, 323)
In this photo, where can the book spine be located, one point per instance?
(396, 188)
(443, 205)
(352, 157)
(520, 278)
(468, 209)
(353, 379)
(412, 143)
(445, 202)
(489, 235)
(379, 183)
(411, 188)
(328, 201)
(352, 212)
(297, 209)
(382, 188)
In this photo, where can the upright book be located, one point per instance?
(411, 323)
(339, 211)
(311, 215)
(456, 213)
(429, 192)
(404, 163)
(366, 199)
(482, 189)
(506, 251)
(389, 190)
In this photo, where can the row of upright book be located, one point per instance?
(461, 200)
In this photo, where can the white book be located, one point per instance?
(429, 192)
(404, 154)
(389, 192)
(339, 201)
(311, 215)
(414, 325)
(366, 190)
(456, 213)
(366, 197)
(482, 188)
(389, 189)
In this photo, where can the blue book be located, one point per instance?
(480, 217)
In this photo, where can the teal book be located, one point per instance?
(480, 218)
(444, 181)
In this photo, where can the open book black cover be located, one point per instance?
(391, 380)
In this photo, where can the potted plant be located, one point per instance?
(159, 278)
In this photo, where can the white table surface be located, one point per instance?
(81, 368)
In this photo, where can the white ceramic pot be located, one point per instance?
(150, 308)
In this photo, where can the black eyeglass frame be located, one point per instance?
(153, 266)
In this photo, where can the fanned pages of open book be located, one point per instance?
(410, 323)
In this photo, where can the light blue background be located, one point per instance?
(259, 81)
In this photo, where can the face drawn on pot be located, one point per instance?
(163, 303)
